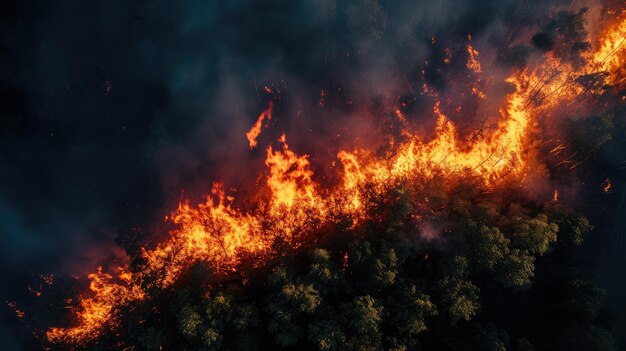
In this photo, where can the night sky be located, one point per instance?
(113, 109)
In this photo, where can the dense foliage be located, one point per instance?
(479, 272)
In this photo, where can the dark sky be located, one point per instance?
(111, 108)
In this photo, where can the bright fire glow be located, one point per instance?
(610, 56)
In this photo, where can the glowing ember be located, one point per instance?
(18, 313)
(448, 59)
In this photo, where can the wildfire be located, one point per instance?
(219, 233)
(606, 185)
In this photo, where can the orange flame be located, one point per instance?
(610, 56)
(555, 196)
(472, 61)
(254, 132)
(94, 312)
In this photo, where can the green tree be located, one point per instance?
(287, 300)
(459, 296)
(364, 315)
(486, 246)
(406, 311)
(533, 235)
(190, 322)
(516, 270)
(328, 333)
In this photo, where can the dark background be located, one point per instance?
(111, 109)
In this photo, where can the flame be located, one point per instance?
(254, 132)
(98, 310)
(555, 82)
(472, 60)
(610, 55)
(489, 158)
(290, 178)
(294, 205)
(555, 196)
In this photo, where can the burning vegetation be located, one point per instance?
(410, 235)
